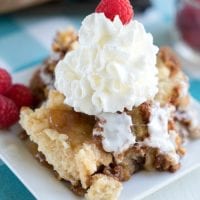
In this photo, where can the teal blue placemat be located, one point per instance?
(11, 188)
(195, 88)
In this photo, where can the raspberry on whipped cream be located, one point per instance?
(113, 67)
(111, 8)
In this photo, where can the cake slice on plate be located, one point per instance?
(111, 104)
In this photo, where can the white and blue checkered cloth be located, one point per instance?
(25, 41)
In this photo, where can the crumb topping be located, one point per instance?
(170, 60)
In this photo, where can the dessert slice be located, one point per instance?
(65, 138)
(70, 143)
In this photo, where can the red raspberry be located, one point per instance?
(9, 113)
(111, 8)
(5, 81)
(21, 95)
(188, 22)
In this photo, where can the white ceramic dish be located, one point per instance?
(43, 185)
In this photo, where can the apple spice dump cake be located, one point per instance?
(110, 104)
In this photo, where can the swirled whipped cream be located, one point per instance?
(113, 67)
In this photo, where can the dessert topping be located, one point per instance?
(5, 81)
(160, 137)
(112, 8)
(115, 130)
(114, 67)
(9, 113)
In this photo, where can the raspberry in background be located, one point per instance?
(5, 81)
(188, 23)
(111, 8)
(21, 95)
(9, 113)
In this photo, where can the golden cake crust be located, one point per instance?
(83, 162)
(104, 188)
(72, 164)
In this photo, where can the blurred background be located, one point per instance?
(150, 11)
(172, 22)
(41, 19)
(10, 5)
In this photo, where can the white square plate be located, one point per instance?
(42, 183)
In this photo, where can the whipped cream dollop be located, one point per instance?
(113, 67)
(159, 135)
(115, 130)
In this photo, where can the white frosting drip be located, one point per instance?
(116, 132)
(114, 67)
(160, 137)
